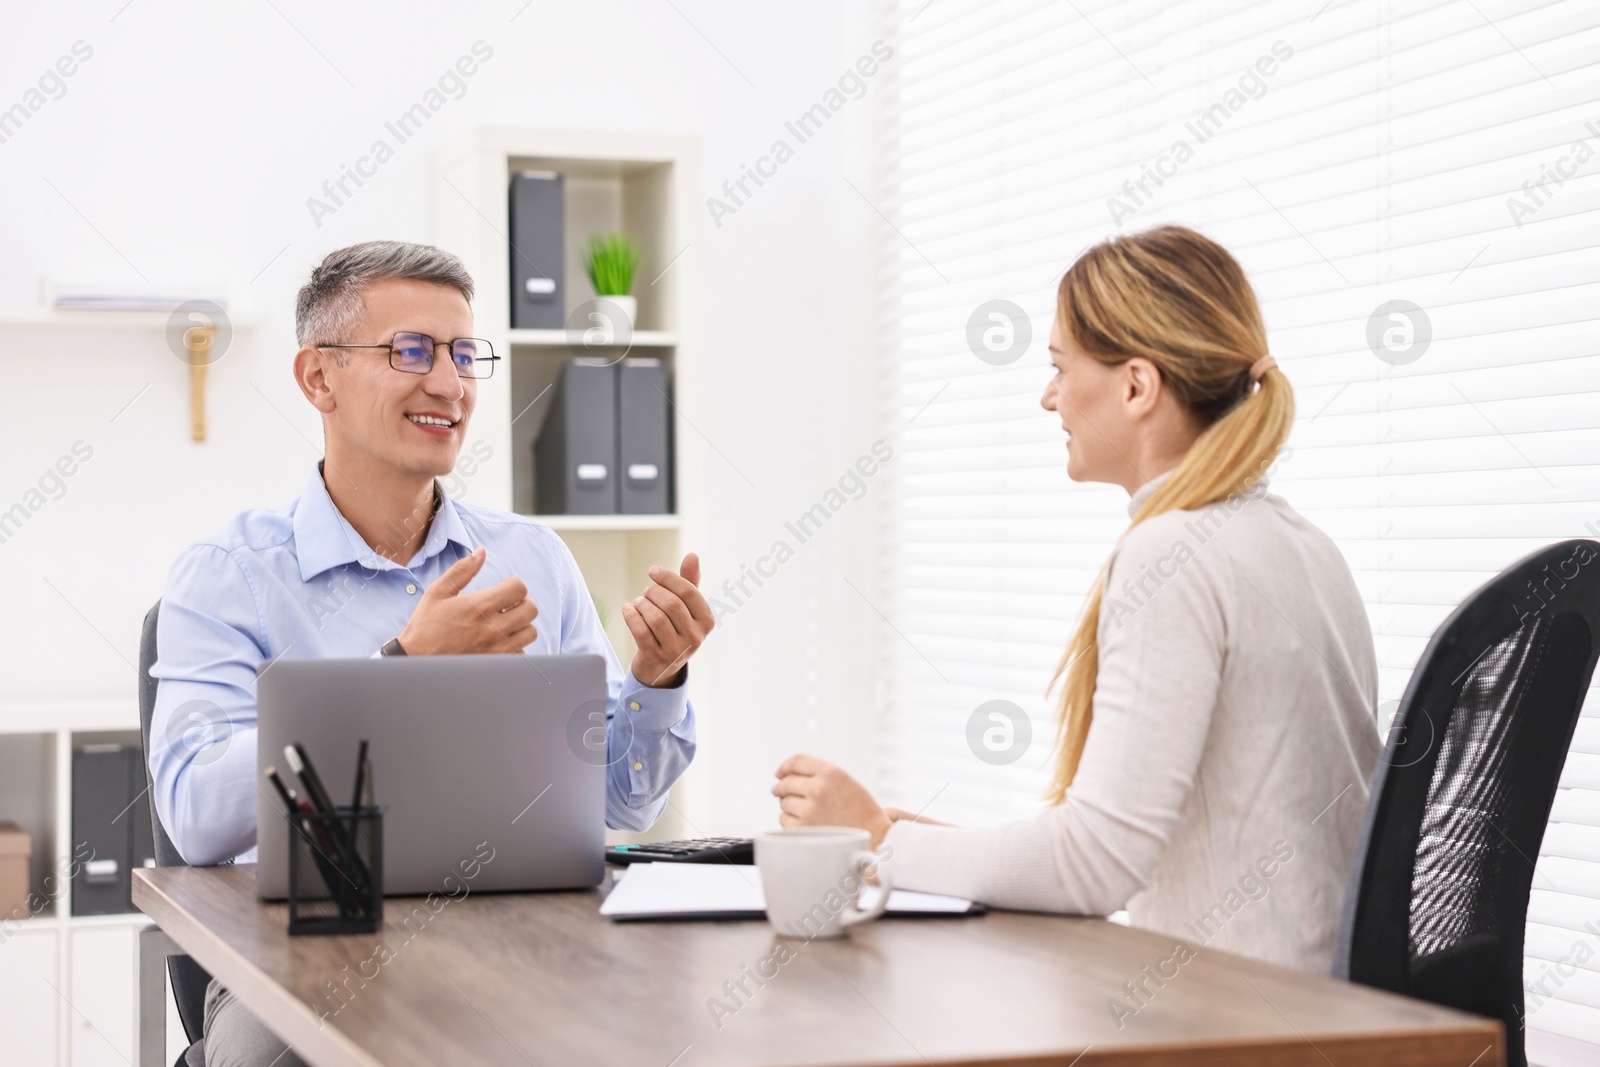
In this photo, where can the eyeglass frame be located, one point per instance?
(491, 359)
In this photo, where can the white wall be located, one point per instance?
(186, 147)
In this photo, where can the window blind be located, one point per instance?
(1440, 153)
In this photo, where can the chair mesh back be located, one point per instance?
(1467, 856)
(1438, 898)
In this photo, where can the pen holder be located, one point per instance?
(336, 871)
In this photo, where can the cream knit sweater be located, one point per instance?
(1222, 786)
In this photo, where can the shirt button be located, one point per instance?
(633, 705)
(638, 766)
(411, 587)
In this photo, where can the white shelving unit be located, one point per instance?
(644, 185)
(66, 981)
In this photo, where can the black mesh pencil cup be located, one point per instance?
(336, 871)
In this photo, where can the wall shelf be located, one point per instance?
(608, 523)
(105, 320)
(559, 339)
(197, 337)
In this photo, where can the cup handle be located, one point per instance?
(859, 863)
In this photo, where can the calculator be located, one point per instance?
(737, 850)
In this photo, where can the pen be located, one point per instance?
(297, 806)
(283, 791)
(361, 773)
(300, 764)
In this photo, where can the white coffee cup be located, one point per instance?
(812, 877)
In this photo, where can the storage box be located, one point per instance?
(15, 848)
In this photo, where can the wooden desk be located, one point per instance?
(542, 979)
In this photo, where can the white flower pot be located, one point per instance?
(628, 305)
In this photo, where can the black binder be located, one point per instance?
(103, 814)
(538, 251)
(144, 840)
(644, 442)
(575, 457)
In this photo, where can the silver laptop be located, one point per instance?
(474, 756)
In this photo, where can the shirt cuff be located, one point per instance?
(653, 710)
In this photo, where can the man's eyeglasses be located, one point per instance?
(473, 357)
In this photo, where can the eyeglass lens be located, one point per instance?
(413, 352)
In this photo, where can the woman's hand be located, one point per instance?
(814, 792)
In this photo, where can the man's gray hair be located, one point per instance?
(331, 303)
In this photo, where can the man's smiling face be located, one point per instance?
(412, 422)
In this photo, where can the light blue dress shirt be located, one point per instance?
(302, 583)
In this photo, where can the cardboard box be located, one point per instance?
(15, 848)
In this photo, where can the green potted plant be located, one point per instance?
(611, 260)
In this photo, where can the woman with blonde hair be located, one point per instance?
(1217, 703)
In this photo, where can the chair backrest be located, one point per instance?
(189, 979)
(1438, 895)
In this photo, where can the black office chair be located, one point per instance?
(189, 979)
(1438, 897)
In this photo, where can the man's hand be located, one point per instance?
(814, 792)
(446, 622)
(668, 622)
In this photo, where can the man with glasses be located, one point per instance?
(373, 558)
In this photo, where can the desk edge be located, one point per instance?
(282, 1012)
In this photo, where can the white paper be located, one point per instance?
(652, 890)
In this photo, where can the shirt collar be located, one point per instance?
(1141, 494)
(324, 538)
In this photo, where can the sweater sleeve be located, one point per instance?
(1161, 646)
